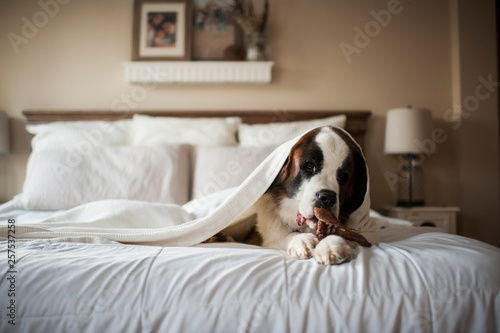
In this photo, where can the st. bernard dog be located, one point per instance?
(326, 169)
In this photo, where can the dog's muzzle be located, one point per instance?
(324, 199)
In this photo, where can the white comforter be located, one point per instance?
(410, 282)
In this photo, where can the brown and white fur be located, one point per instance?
(325, 168)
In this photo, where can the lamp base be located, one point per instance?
(410, 204)
(410, 183)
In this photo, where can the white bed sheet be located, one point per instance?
(413, 281)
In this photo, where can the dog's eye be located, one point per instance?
(342, 176)
(309, 167)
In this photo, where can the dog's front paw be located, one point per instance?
(301, 246)
(333, 250)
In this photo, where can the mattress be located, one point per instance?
(414, 280)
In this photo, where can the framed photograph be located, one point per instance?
(214, 28)
(162, 30)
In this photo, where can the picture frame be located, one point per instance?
(214, 28)
(162, 30)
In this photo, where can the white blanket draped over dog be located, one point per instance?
(167, 224)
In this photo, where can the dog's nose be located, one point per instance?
(326, 199)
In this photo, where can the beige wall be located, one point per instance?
(74, 62)
(478, 132)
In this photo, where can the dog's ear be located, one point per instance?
(292, 164)
(354, 190)
(289, 169)
(357, 185)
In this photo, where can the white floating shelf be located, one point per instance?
(198, 71)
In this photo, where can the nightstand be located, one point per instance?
(441, 217)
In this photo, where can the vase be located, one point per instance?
(258, 47)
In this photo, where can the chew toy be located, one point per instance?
(329, 225)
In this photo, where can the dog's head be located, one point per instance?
(325, 168)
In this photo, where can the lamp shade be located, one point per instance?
(405, 129)
(4, 134)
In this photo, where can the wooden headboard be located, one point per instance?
(356, 123)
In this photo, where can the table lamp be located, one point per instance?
(405, 129)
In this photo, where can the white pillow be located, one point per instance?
(278, 133)
(218, 168)
(61, 179)
(197, 132)
(82, 135)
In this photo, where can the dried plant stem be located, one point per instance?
(247, 19)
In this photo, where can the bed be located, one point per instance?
(106, 237)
